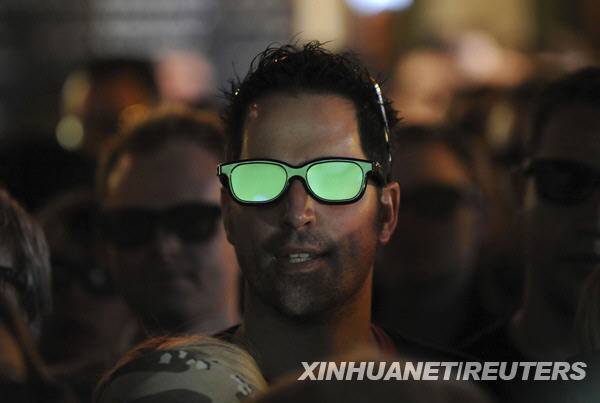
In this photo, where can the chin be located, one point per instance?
(296, 305)
(298, 310)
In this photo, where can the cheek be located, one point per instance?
(202, 253)
(365, 213)
(353, 229)
(249, 224)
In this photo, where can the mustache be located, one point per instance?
(302, 238)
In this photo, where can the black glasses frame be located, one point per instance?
(110, 218)
(369, 168)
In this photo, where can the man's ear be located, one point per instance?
(226, 213)
(389, 204)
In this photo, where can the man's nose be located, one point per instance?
(298, 207)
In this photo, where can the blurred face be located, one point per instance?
(562, 241)
(438, 234)
(425, 82)
(170, 280)
(300, 256)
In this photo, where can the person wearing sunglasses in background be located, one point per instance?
(307, 201)
(164, 243)
(560, 203)
(425, 278)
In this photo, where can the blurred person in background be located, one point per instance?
(426, 277)
(101, 96)
(186, 77)
(424, 81)
(90, 325)
(495, 123)
(164, 243)
(560, 202)
(500, 116)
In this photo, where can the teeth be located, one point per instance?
(299, 257)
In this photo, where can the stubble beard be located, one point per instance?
(314, 296)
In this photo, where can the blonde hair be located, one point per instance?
(153, 130)
(227, 354)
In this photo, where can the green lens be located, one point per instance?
(335, 180)
(257, 181)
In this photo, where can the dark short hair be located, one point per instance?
(581, 88)
(24, 239)
(157, 129)
(294, 69)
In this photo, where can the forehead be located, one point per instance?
(572, 133)
(297, 128)
(178, 171)
(415, 164)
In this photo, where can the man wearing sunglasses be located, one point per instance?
(307, 201)
(161, 224)
(560, 201)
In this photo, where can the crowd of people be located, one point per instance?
(211, 253)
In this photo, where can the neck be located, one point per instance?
(542, 332)
(217, 321)
(281, 343)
